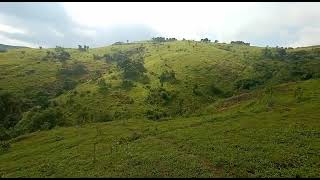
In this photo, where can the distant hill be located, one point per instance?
(4, 47)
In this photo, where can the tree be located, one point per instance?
(102, 86)
(280, 53)
(216, 41)
(61, 54)
(240, 43)
(205, 40)
(266, 53)
(11, 109)
(132, 69)
(159, 39)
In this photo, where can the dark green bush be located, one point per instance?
(247, 84)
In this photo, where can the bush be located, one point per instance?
(167, 76)
(60, 54)
(37, 119)
(298, 94)
(4, 146)
(11, 108)
(144, 79)
(196, 91)
(127, 84)
(76, 69)
(155, 114)
(159, 96)
(69, 84)
(103, 117)
(247, 84)
(132, 69)
(215, 91)
(103, 87)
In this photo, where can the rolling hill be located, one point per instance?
(160, 109)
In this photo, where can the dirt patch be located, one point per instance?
(234, 101)
(216, 170)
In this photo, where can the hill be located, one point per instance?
(4, 47)
(218, 109)
(251, 138)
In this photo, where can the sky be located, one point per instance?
(48, 24)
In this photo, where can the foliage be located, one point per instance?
(127, 84)
(11, 109)
(103, 87)
(37, 119)
(159, 96)
(247, 84)
(167, 76)
(240, 43)
(205, 40)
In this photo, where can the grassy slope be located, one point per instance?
(246, 139)
(204, 64)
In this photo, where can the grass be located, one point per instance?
(247, 139)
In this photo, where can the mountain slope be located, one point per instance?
(148, 79)
(250, 137)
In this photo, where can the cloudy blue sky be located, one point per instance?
(98, 24)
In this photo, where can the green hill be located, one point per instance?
(160, 109)
(4, 47)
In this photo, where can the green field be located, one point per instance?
(194, 109)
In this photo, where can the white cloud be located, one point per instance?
(307, 37)
(9, 29)
(15, 42)
(57, 33)
(286, 23)
(181, 20)
(86, 32)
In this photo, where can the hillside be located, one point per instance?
(4, 47)
(249, 139)
(155, 109)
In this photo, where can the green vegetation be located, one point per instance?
(160, 108)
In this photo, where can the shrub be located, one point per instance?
(298, 94)
(159, 96)
(196, 91)
(69, 84)
(155, 114)
(76, 69)
(11, 108)
(103, 87)
(247, 84)
(37, 119)
(167, 76)
(4, 146)
(215, 91)
(132, 69)
(127, 84)
(60, 54)
(103, 117)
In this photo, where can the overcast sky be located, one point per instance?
(98, 24)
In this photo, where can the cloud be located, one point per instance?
(48, 25)
(99, 24)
